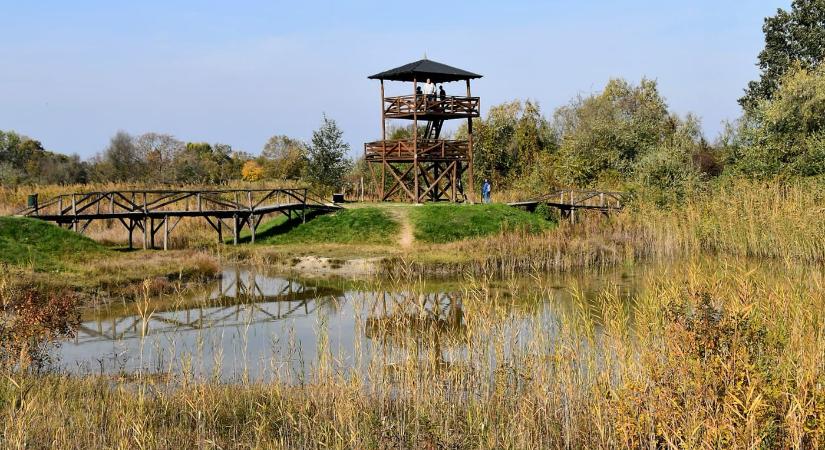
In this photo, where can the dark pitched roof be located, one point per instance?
(423, 69)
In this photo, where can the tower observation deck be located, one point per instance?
(424, 167)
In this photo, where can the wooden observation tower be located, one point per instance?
(424, 167)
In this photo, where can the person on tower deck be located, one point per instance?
(442, 94)
(485, 191)
(429, 89)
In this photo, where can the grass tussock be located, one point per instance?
(349, 226)
(708, 355)
(440, 223)
(43, 246)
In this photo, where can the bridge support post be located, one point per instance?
(152, 233)
(252, 226)
(131, 228)
(145, 234)
(235, 229)
(304, 208)
(166, 233)
(220, 230)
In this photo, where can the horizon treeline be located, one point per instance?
(622, 137)
(156, 158)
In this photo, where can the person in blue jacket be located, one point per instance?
(485, 191)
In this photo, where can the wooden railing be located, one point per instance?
(572, 199)
(143, 209)
(165, 201)
(406, 105)
(426, 149)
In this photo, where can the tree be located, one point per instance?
(786, 134)
(158, 151)
(328, 163)
(120, 162)
(509, 141)
(602, 136)
(284, 158)
(791, 38)
(252, 171)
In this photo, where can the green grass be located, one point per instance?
(439, 223)
(43, 246)
(348, 226)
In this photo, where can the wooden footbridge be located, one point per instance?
(569, 201)
(156, 211)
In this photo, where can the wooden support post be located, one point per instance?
(234, 229)
(454, 181)
(415, 141)
(383, 115)
(470, 175)
(145, 233)
(304, 208)
(220, 230)
(165, 233)
(152, 232)
(60, 205)
(383, 145)
(131, 231)
(74, 213)
(252, 226)
(200, 205)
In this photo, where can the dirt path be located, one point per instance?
(405, 237)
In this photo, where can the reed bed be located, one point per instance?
(710, 354)
(780, 221)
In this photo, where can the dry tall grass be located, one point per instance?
(709, 355)
(750, 219)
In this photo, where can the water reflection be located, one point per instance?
(262, 326)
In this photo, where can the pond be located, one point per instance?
(255, 325)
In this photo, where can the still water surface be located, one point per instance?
(259, 325)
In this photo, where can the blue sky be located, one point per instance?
(74, 73)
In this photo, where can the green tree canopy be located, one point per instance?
(603, 135)
(785, 135)
(284, 158)
(792, 38)
(328, 163)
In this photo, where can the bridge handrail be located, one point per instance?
(77, 202)
(579, 197)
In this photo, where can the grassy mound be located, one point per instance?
(44, 246)
(348, 226)
(439, 223)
